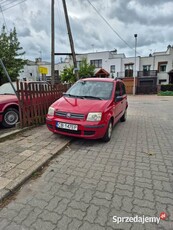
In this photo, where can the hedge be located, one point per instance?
(165, 93)
(168, 87)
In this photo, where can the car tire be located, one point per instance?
(108, 133)
(124, 117)
(10, 117)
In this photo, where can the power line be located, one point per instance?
(109, 25)
(62, 23)
(61, 17)
(13, 5)
(2, 1)
(4, 18)
(6, 2)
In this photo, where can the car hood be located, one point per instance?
(7, 98)
(77, 105)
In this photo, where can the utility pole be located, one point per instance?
(52, 43)
(70, 38)
(134, 77)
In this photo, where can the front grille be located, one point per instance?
(72, 115)
(69, 131)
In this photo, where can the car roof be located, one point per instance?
(100, 79)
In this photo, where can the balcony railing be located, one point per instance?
(150, 73)
(130, 73)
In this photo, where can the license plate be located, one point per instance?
(62, 125)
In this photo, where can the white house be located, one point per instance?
(162, 62)
(156, 68)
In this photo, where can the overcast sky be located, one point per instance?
(152, 20)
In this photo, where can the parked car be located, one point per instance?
(9, 104)
(89, 109)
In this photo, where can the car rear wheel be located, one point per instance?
(108, 133)
(124, 117)
(10, 117)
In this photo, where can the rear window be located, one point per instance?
(7, 88)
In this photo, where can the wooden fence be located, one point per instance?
(35, 99)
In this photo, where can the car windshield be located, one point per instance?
(7, 88)
(91, 90)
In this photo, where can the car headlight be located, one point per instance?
(51, 111)
(94, 117)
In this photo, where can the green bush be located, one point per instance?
(165, 93)
(168, 87)
(85, 70)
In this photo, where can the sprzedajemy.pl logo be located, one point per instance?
(139, 219)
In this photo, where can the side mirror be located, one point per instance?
(118, 98)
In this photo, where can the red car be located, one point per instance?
(9, 106)
(89, 109)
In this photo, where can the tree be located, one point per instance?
(67, 75)
(10, 53)
(85, 70)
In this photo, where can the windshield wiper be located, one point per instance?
(93, 97)
(7, 94)
(71, 95)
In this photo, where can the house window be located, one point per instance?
(129, 70)
(96, 63)
(146, 68)
(162, 81)
(162, 66)
(112, 69)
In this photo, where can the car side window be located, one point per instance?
(118, 89)
(123, 89)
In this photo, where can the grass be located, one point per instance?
(165, 93)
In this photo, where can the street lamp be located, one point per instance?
(134, 85)
(52, 42)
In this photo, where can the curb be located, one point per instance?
(13, 133)
(14, 185)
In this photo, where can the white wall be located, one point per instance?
(27, 71)
(33, 70)
(147, 61)
(109, 58)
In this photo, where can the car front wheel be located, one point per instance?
(10, 117)
(108, 133)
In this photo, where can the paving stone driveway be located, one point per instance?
(90, 182)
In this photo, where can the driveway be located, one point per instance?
(91, 184)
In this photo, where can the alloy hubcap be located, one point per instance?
(11, 118)
(110, 130)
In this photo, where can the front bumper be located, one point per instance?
(86, 129)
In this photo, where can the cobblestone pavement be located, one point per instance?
(90, 182)
(23, 154)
